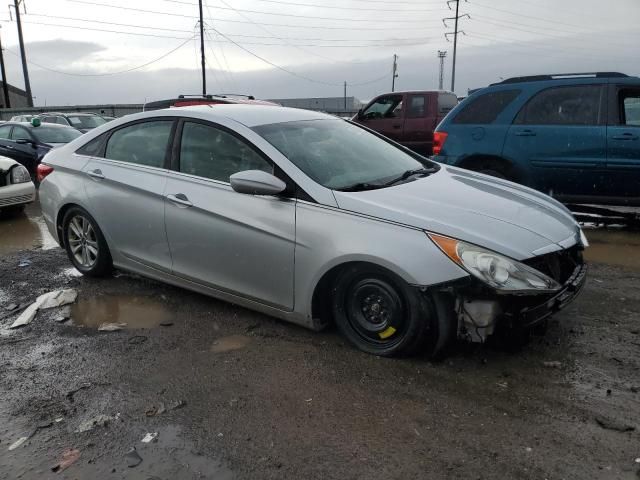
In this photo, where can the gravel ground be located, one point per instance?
(235, 394)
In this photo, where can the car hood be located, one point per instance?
(6, 163)
(496, 214)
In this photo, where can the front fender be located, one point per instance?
(327, 237)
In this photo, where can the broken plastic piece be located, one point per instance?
(57, 298)
(69, 457)
(150, 437)
(133, 459)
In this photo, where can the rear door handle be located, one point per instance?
(97, 174)
(625, 136)
(525, 133)
(397, 126)
(180, 199)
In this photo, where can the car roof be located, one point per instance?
(30, 125)
(67, 114)
(249, 115)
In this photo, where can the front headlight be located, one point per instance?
(497, 271)
(19, 174)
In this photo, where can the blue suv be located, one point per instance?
(573, 136)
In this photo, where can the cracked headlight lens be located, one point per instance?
(497, 271)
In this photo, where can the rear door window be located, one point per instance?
(574, 105)
(485, 108)
(417, 106)
(20, 133)
(630, 108)
(210, 152)
(446, 102)
(5, 131)
(141, 143)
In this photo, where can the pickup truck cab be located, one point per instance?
(409, 118)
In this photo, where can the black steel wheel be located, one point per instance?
(85, 244)
(381, 314)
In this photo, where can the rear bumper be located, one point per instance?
(18, 194)
(529, 316)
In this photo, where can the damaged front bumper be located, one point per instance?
(481, 310)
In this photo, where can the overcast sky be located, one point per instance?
(306, 48)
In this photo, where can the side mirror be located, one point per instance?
(360, 114)
(257, 182)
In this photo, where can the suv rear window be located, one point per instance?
(486, 108)
(446, 102)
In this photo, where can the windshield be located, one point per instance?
(47, 134)
(338, 154)
(86, 121)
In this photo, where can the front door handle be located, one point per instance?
(397, 126)
(180, 199)
(625, 136)
(525, 133)
(97, 174)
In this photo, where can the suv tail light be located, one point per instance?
(42, 171)
(438, 141)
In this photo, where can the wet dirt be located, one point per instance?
(24, 231)
(132, 311)
(298, 404)
(614, 247)
(228, 344)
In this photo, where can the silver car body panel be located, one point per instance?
(270, 253)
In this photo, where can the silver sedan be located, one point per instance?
(314, 220)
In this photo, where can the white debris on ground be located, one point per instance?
(56, 298)
(150, 437)
(111, 327)
(97, 421)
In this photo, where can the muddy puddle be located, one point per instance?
(130, 311)
(24, 231)
(228, 344)
(614, 247)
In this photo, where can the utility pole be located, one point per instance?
(441, 55)
(345, 95)
(25, 71)
(5, 88)
(395, 72)
(204, 76)
(455, 37)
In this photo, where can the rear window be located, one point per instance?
(55, 134)
(486, 108)
(446, 102)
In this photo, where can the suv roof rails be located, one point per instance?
(209, 96)
(561, 76)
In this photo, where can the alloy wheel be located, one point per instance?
(83, 241)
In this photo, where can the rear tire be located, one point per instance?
(494, 168)
(381, 314)
(85, 244)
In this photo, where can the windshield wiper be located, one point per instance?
(410, 173)
(360, 187)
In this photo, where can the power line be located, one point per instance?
(105, 30)
(320, 27)
(266, 30)
(110, 73)
(312, 39)
(328, 7)
(303, 77)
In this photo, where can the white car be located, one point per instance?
(16, 187)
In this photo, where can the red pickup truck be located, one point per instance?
(408, 118)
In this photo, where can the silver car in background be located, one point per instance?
(314, 220)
